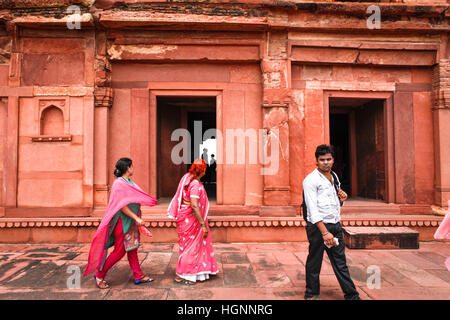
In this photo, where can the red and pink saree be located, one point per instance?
(196, 255)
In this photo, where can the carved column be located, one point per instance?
(441, 120)
(10, 169)
(103, 99)
(15, 61)
(276, 100)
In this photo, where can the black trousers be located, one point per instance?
(337, 259)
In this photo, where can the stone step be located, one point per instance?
(381, 238)
(346, 209)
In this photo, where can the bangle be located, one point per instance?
(203, 224)
(325, 233)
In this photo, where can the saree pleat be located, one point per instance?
(196, 253)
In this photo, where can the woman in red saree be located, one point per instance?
(119, 227)
(189, 207)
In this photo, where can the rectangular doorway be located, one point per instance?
(357, 133)
(194, 116)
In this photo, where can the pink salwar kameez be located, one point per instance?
(196, 260)
(122, 194)
(118, 253)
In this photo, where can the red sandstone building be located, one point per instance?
(75, 98)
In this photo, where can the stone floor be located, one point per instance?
(247, 271)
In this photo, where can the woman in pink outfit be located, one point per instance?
(119, 227)
(189, 207)
(443, 232)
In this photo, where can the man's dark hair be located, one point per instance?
(324, 149)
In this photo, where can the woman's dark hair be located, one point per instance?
(122, 166)
(324, 149)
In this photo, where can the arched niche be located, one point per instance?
(52, 121)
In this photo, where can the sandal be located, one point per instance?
(144, 279)
(185, 282)
(102, 284)
(313, 298)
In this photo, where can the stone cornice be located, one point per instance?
(256, 13)
(317, 7)
(228, 222)
(43, 3)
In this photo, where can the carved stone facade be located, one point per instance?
(117, 78)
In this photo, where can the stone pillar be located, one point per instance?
(441, 120)
(15, 61)
(11, 153)
(103, 98)
(276, 100)
(103, 101)
(10, 168)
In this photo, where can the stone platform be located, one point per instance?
(381, 238)
(229, 223)
(248, 271)
(226, 228)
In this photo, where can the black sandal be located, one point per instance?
(185, 282)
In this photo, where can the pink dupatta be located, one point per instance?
(175, 204)
(443, 232)
(121, 195)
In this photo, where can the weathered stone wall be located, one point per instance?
(304, 52)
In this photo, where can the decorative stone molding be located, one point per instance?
(103, 97)
(226, 222)
(277, 188)
(102, 187)
(441, 85)
(72, 91)
(51, 139)
(275, 104)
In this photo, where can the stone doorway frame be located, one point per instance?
(200, 90)
(389, 141)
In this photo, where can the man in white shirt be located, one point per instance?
(323, 198)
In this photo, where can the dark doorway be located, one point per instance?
(369, 130)
(340, 140)
(357, 132)
(181, 113)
